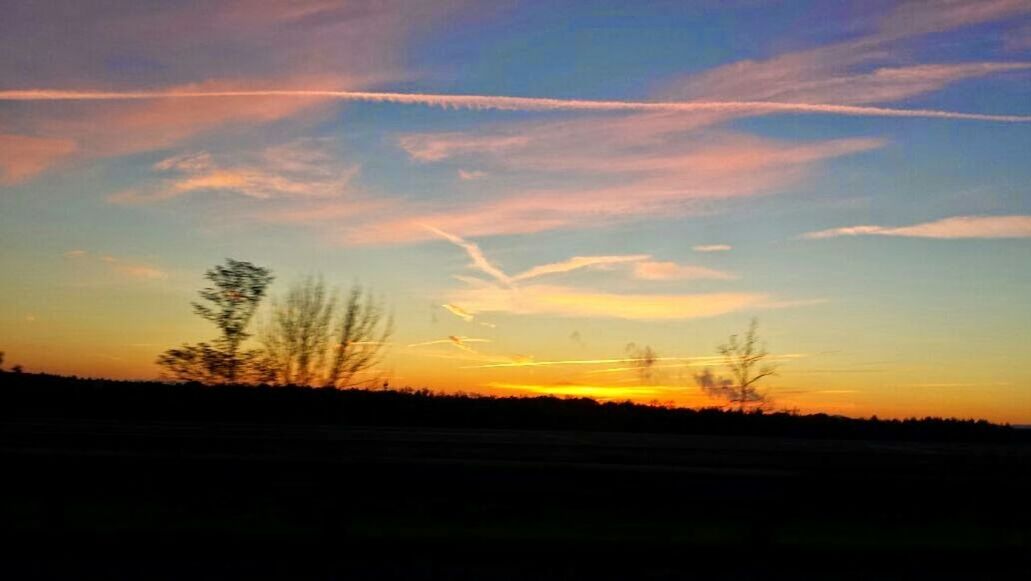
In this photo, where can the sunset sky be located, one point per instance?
(547, 182)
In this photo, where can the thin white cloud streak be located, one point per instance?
(506, 103)
(957, 227)
(532, 363)
(459, 312)
(483, 264)
(577, 263)
(450, 339)
(712, 248)
(479, 260)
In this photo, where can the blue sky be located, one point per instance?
(881, 239)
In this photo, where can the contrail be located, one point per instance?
(504, 103)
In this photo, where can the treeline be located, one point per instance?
(27, 396)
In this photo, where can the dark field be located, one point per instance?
(153, 487)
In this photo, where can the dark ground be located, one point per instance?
(128, 491)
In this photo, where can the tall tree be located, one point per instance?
(296, 336)
(745, 360)
(363, 331)
(236, 290)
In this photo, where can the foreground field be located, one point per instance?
(113, 495)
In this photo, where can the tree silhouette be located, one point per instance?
(236, 291)
(643, 360)
(745, 360)
(361, 335)
(1, 360)
(296, 336)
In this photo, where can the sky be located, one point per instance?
(532, 187)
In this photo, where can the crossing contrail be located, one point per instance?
(504, 103)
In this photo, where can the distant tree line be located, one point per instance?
(36, 395)
(309, 337)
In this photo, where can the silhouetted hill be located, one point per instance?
(49, 396)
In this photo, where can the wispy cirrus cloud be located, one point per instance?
(478, 260)
(201, 48)
(572, 302)
(957, 227)
(128, 268)
(577, 263)
(300, 169)
(469, 175)
(461, 342)
(664, 270)
(645, 174)
(510, 294)
(712, 248)
(861, 70)
(25, 156)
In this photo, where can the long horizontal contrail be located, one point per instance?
(504, 103)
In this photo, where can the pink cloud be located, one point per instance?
(24, 156)
(300, 169)
(655, 182)
(236, 45)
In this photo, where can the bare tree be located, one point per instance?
(1, 360)
(643, 359)
(363, 331)
(745, 361)
(297, 335)
(236, 291)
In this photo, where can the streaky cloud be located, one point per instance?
(957, 227)
(508, 103)
(577, 263)
(479, 260)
